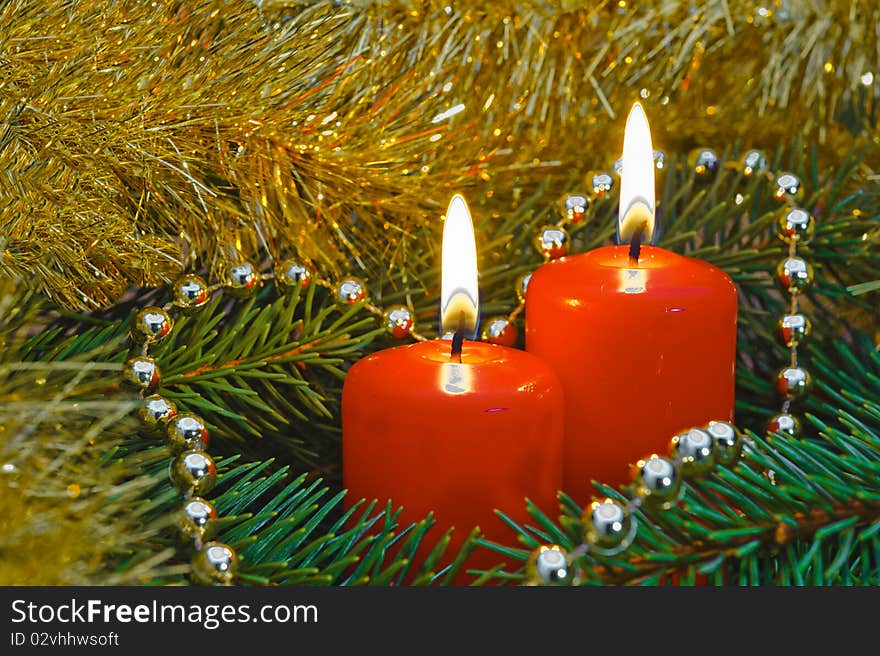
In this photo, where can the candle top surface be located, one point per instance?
(439, 350)
(650, 257)
(609, 270)
(486, 369)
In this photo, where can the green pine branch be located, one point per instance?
(791, 512)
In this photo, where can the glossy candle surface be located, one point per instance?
(642, 352)
(458, 440)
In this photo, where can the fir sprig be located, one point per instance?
(791, 512)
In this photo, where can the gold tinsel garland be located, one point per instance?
(70, 507)
(137, 139)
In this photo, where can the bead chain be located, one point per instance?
(609, 526)
(193, 471)
(795, 275)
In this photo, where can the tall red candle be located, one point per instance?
(642, 339)
(457, 432)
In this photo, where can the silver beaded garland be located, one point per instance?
(242, 279)
(193, 472)
(784, 423)
(795, 274)
(695, 450)
(191, 292)
(157, 411)
(657, 480)
(754, 161)
(399, 321)
(552, 242)
(196, 518)
(351, 290)
(499, 330)
(659, 159)
(574, 207)
(548, 565)
(704, 162)
(728, 442)
(788, 188)
(793, 382)
(291, 273)
(793, 329)
(151, 325)
(609, 527)
(186, 432)
(215, 564)
(795, 226)
(142, 373)
(600, 184)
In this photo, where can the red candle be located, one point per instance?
(642, 339)
(454, 428)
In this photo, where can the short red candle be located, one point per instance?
(642, 352)
(452, 427)
(456, 440)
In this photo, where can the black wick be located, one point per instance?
(635, 246)
(457, 345)
(458, 339)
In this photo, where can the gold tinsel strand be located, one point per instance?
(137, 139)
(68, 514)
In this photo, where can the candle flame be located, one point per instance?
(636, 179)
(459, 294)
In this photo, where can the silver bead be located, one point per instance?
(754, 161)
(608, 527)
(522, 286)
(186, 432)
(499, 330)
(242, 279)
(552, 242)
(351, 290)
(142, 373)
(193, 472)
(795, 274)
(197, 518)
(600, 184)
(215, 564)
(793, 329)
(191, 293)
(151, 325)
(399, 321)
(291, 273)
(788, 188)
(797, 226)
(728, 442)
(574, 207)
(157, 411)
(704, 162)
(659, 159)
(784, 423)
(657, 480)
(793, 382)
(695, 449)
(548, 565)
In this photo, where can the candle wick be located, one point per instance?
(457, 346)
(635, 246)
